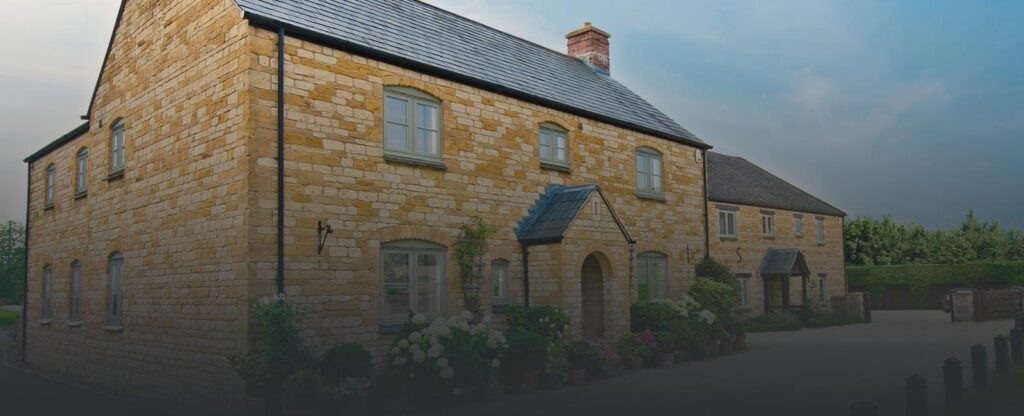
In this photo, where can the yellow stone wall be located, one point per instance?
(177, 75)
(744, 253)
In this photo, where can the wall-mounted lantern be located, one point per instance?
(322, 231)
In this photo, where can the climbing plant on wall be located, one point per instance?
(469, 255)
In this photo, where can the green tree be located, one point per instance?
(12, 261)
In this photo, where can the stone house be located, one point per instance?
(197, 184)
(784, 244)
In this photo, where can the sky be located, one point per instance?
(912, 108)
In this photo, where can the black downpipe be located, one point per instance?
(280, 160)
(526, 274)
(24, 283)
(707, 221)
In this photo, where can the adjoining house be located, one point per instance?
(784, 244)
(156, 223)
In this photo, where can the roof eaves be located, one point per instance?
(794, 186)
(61, 141)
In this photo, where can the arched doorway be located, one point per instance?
(592, 277)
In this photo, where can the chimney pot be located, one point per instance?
(590, 45)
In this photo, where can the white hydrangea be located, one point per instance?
(466, 315)
(399, 361)
(496, 363)
(447, 373)
(492, 343)
(419, 319)
(419, 357)
(707, 316)
(435, 350)
(396, 351)
(415, 337)
(442, 362)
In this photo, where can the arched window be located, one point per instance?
(649, 172)
(652, 270)
(47, 292)
(117, 139)
(115, 290)
(554, 146)
(51, 183)
(412, 124)
(412, 277)
(82, 172)
(75, 289)
(499, 282)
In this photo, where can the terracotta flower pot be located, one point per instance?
(668, 359)
(578, 376)
(725, 347)
(740, 343)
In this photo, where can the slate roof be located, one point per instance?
(734, 179)
(62, 140)
(783, 261)
(422, 37)
(555, 211)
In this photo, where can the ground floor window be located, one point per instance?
(75, 300)
(412, 279)
(115, 290)
(823, 288)
(499, 282)
(652, 270)
(743, 290)
(47, 292)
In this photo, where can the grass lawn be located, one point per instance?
(7, 319)
(1006, 397)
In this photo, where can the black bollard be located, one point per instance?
(916, 391)
(953, 381)
(1002, 355)
(863, 408)
(979, 366)
(1016, 348)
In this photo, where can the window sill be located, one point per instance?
(45, 322)
(729, 238)
(48, 207)
(390, 329)
(406, 160)
(73, 324)
(499, 308)
(768, 237)
(113, 328)
(81, 195)
(651, 197)
(113, 176)
(821, 244)
(555, 166)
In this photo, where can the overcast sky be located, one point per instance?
(911, 108)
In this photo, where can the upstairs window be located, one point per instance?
(798, 225)
(412, 279)
(554, 146)
(117, 147)
(75, 286)
(499, 282)
(115, 290)
(819, 225)
(82, 172)
(768, 224)
(652, 270)
(649, 174)
(412, 124)
(51, 179)
(47, 295)
(727, 224)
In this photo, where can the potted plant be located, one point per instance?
(638, 349)
(667, 347)
(529, 351)
(582, 357)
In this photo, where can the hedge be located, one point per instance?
(919, 276)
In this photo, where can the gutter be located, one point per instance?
(24, 283)
(280, 160)
(707, 212)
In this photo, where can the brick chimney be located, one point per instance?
(590, 45)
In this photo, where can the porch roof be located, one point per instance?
(784, 262)
(553, 214)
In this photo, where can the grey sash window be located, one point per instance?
(653, 276)
(798, 226)
(554, 145)
(743, 290)
(51, 179)
(412, 124)
(75, 300)
(117, 147)
(82, 171)
(819, 225)
(115, 290)
(767, 225)
(649, 175)
(823, 289)
(726, 223)
(499, 282)
(47, 292)
(412, 279)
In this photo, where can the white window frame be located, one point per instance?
(412, 124)
(819, 228)
(117, 147)
(768, 224)
(75, 292)
(82, 172)
(727, 224)
(499, 282)
(743, 291)
(650, 172)
(47, 292)
(413, 249)
(115, 290)
(823, 289)
(553, 144)
(51, 185)
(646, 263)
(798, 226)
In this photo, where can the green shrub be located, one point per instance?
(716, 271)
(529, 349)
(545, 320)
(654, 316)
(666, 341)
(280, 350)
(583, 355)
(720, 298)
(7, 318)
(303, 389)
(823, 319)
(695, 337)
(773, 322)
(920, 276)
(349, 360)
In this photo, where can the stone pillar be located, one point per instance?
(979, 366)
(1016, 347)
(963, 305)
(953, 381)
(1002, 355)
(855, 304)
(916, 392)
